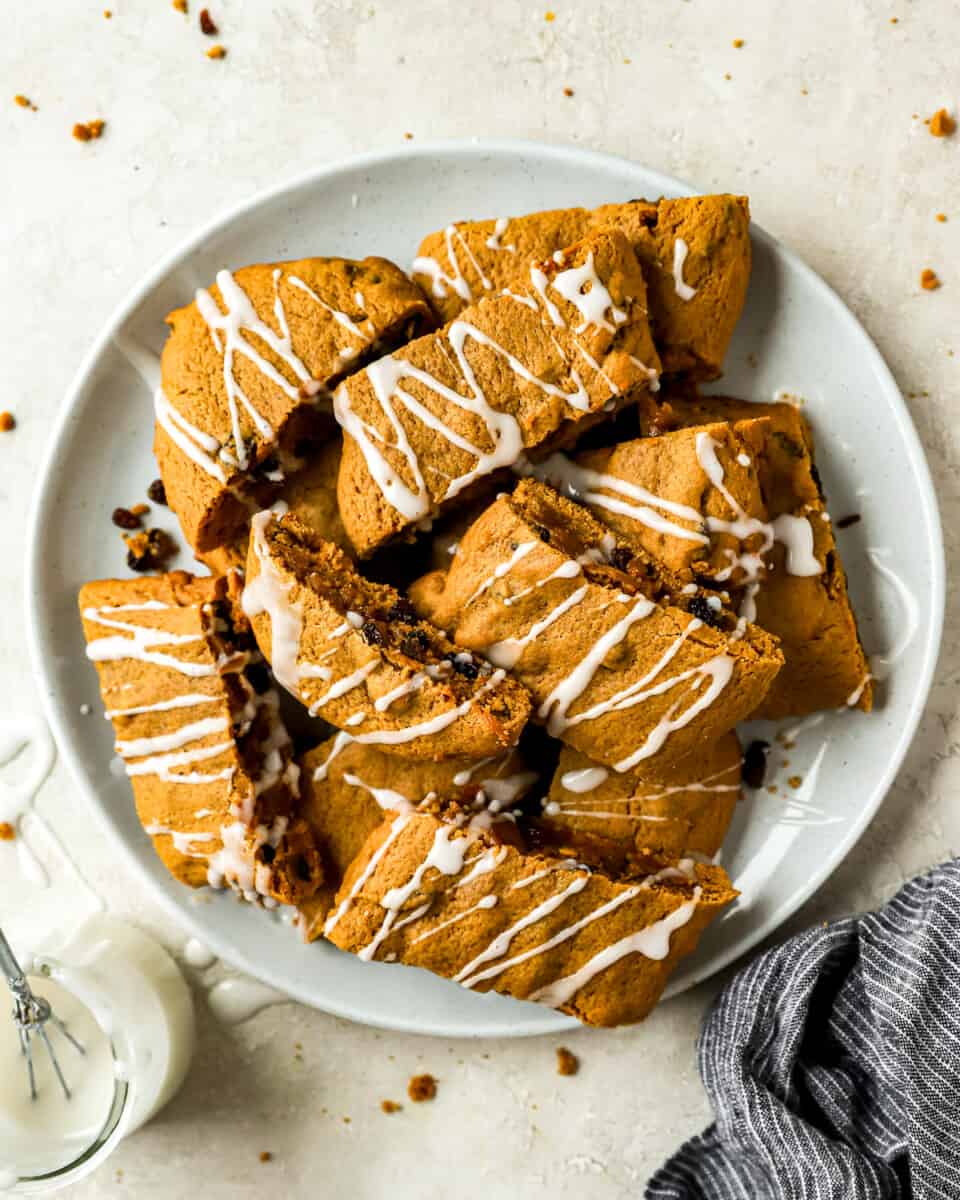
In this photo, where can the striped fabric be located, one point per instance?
(833, 1063)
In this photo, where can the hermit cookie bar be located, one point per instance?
(249, 365)
(617, 666)
(198, 728)
(449, 897)
(357, 655)
(691, 498)
(568, 344)
(694, 251)
(348, 790)
(684, 808)
(803, 597)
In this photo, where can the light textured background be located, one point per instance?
(816, 122)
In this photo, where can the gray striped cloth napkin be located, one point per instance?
(833, 1063)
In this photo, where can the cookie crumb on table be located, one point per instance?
(942, 124)
(89, 131)
(217, 51)
(390, 1106)
(568, 91)
(567, 1061)
(549, 15)
(422, 1087)
(737, 43)
(7, 832)
(795, 781)
(24, 102)
(929, 280)
(180, 5)
(207, 23)
(408, 137)
(266, 1156)
(7, 422)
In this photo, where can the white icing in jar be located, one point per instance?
(125, 1000)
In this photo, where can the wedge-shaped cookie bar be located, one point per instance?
(249, 364)
(803, 598)
(691, 498)
(357, 655)
(569, 344)
(621, 666)
(695, 254)
(348, 789)
(449, 898)
(685, 808)
(198, 728)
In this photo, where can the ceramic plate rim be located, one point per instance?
(43, 497)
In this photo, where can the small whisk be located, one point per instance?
(31, 1014)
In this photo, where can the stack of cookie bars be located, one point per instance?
(491, 585)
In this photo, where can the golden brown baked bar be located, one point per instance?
(199, 730)
(451, 899)
(356, 654)
(695, 254)
(690, 498)
(810, 612)
(685, 808)
(566, 346)
(346, 795)
(620, 666)
(249, 365)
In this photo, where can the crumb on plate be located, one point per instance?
(929, 280)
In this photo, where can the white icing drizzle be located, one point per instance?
(566, 570)
(483, 904)
(501, 570)
(269, 594)
(652, 942)
(387, 798)
(555, 708)
(198, 446)
(140, 645)
(581, 287)
(502, 429)
(446, 855)
(583, 780)
(507, 653)
(583, 484)
(441, 281)
(719, 671)
(911, 613)
(344, 685)
(140, 747)
(483, 864)
(188, 700)
(162, 765)
(680, 251)
(796, 534)
(494, 241)
(396, 829)
(468, 974)
(183, 842)
(340, 317)
(226, 330)
(394, 737)
(407, 688)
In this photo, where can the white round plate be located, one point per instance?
(805, 340)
